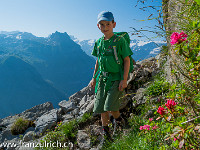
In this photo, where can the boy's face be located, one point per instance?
(106, 27)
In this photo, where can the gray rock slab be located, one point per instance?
(67, 106)
(83, 140)
(46, 121)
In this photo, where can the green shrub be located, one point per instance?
(135, 122)
(70, 129)
(197, 98)
(54, 137)
(20, 126)
(85, 118)
(158, 88)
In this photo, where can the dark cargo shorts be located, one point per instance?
(107, 100)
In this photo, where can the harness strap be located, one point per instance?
(98, 50)
(115, 53)
(107, 79)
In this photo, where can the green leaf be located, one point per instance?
(173, 71)
(176, 143)
(194, 24)
(173, 87)
(198, 1)
(168, 129)
(186, 135)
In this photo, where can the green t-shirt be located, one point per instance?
(105, 54)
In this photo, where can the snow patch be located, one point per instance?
(142, 43)
(91, 42)
(132, 44)
(19, 37)
(156, 50)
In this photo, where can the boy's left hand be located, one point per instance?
(122, 85)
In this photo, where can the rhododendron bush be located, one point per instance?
(177, 117)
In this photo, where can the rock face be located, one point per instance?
(67, 106)
(46, 121)
(46, 117)
(30, 114)
(83, 140)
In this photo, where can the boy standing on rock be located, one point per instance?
(111, 71)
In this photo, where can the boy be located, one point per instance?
(111, 81)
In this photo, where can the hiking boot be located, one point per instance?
(106, 139)
(118, 126)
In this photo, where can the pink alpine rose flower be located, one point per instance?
(155, 127)
(146, 127)
(150, 119)
(177, 38)
(141, 128)
(161, 111)
(170, 104)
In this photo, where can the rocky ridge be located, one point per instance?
(45, 116)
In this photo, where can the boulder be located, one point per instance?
(83, 100)
(139, 97)
(30, 114)
(67, 117)
(87, 107)
(67, 106)
(29, 136)
(77, 97)
(75, 112)
(6, 135)
(83, 140)
(37, 111)
(46, 121)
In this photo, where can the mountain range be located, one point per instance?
(141, 49)
(34, 70)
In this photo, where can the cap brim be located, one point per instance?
(104, 19)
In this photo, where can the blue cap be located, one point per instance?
(105, 15)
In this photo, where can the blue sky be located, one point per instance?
(76, 17)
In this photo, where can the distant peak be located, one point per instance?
(59, 36)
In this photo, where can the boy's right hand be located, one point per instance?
(93, 83)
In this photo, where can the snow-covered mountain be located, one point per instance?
(141, 49)
(145, 49)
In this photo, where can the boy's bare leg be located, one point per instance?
(105, 119)
(115, 114)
